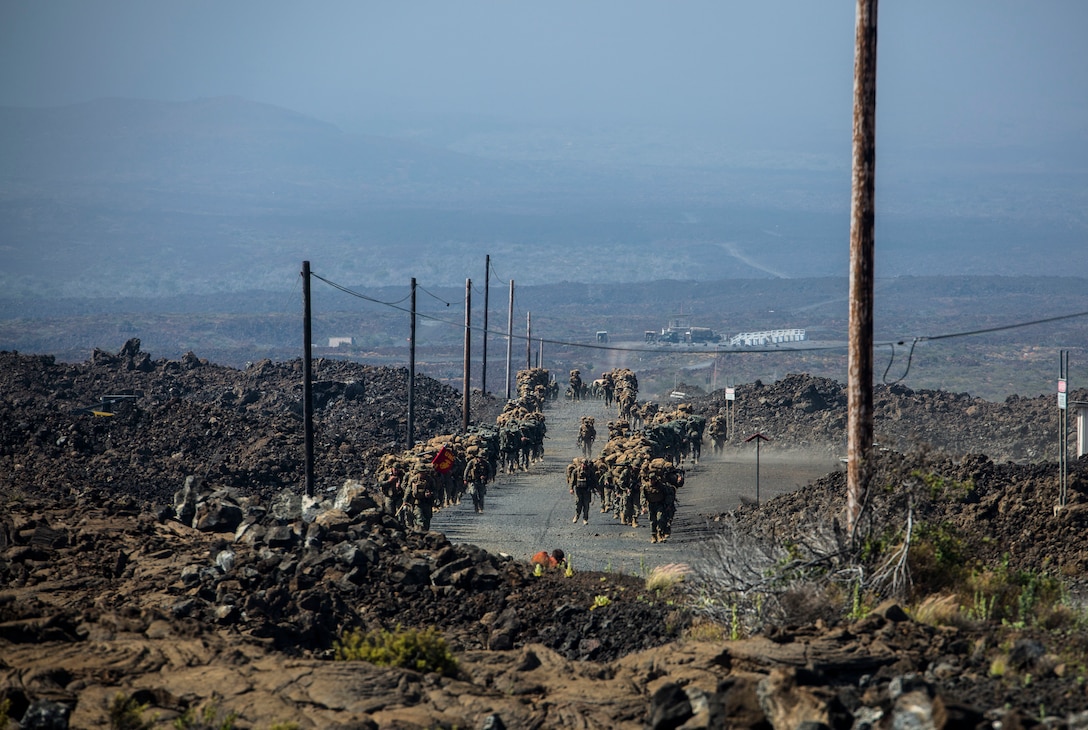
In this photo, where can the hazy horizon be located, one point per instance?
(988, 73)
(698, 133)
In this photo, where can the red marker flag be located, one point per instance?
(443, 460)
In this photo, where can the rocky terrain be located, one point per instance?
(165, 553)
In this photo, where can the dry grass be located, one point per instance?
(664, 577)
(940, 609)
(709, 631)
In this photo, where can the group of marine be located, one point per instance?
(638, 471)
(442, 471)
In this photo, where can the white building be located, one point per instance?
(767, 337)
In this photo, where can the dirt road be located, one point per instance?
(531, 511)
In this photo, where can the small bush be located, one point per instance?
(423, 651)
(1019, 598)
(937, 557)
(710, 631)
(213, 717)
(126, 713)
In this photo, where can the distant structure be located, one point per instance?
(679, 330)
(341, 341)
(602, 337)
(767, 337)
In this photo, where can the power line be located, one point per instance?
(1002, 328)
(705, 350)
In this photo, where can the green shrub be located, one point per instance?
(940, 488)
(706, 630)
(937, 558)
(126, 713)
(1018, 597)
(423, 651)
(212, 717)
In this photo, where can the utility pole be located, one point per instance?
(528, 340)
(859, 406)
(307, 383)
(468, 356)
(412, 371)
(487, 296)
(509, 338)
(1063, 426)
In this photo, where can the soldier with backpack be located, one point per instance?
(390, 476)
(576, 384)
(477, 475)
(422, 487)
(582, 479)
(587, 434)
(660, 480)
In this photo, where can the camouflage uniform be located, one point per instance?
(660, 481)
(718, 431)
(629, 489)
(582, 478)
(608, 387)
(587, 434)
(576, 384)
(477, 475)
(390, 483)
(422, 485)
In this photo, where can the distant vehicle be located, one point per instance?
(678, 330)
(702, 334)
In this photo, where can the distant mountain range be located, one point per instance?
(122, 197)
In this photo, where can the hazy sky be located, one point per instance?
(987, 72)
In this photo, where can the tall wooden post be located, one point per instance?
(509, 338)
(487, 293)
(412, 371)
(307, 383)
(528, 340)
(468, 356)
(859, 430)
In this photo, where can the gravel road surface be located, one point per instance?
(530, 511)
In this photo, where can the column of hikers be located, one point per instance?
(638, 473)
(442, 471)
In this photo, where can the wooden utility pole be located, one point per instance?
(528, 340)
(307, 383)
(412, 371)
(509, 338)
(859, 402)
(487, 292)
(468, 356)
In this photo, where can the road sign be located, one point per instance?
(1061, 394)
(730, 393)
